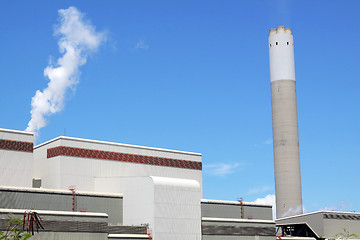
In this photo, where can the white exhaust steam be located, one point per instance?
(78, 38)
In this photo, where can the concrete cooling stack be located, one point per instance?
(285, 123)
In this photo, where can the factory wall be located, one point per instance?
(64, 225)
(222, 220)
(16, 158)
(162, 189)
(56, 200)
(326, 223)
(237, 229)
(232, 209)
(336, 223)
(63, 162)
(141, 207)
(170, 206)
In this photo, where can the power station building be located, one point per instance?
(320, 225)
(88, 189)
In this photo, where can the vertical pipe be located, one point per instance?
(285, 123)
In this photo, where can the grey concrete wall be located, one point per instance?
(60, 201)
(224, 237)
(216, 229)
(336, 222)
(121, 230)
(216, 210)
(69, 236)
(286, 148)
(238, 223)
(335, 226)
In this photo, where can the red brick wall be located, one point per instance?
(123, 157)
(16, 145)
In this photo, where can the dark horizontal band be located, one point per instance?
(123, 157)
(237, 230)
(66, 226)
(16, 145)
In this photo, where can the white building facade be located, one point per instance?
(16, 158)
(162, 188)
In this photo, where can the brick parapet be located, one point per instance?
(16, 145)
(123, 157)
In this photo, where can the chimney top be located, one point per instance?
(280, 29)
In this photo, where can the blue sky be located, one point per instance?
(194, 76)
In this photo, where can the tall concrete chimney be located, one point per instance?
(285, 123)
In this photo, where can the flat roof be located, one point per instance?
(15, 131)
(318, 212)
(115, 144)
(225, 202)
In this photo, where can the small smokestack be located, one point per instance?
(285, 123)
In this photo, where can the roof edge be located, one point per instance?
(47, 190)
(16, 131)
(50, 212)
(226, 202)
(320, 211)
(237, 220)
(116, 144)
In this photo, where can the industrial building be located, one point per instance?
(87, 189)
(321, 224)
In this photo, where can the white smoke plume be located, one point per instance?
(78, 38)
(269, 199)
(293, 211)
